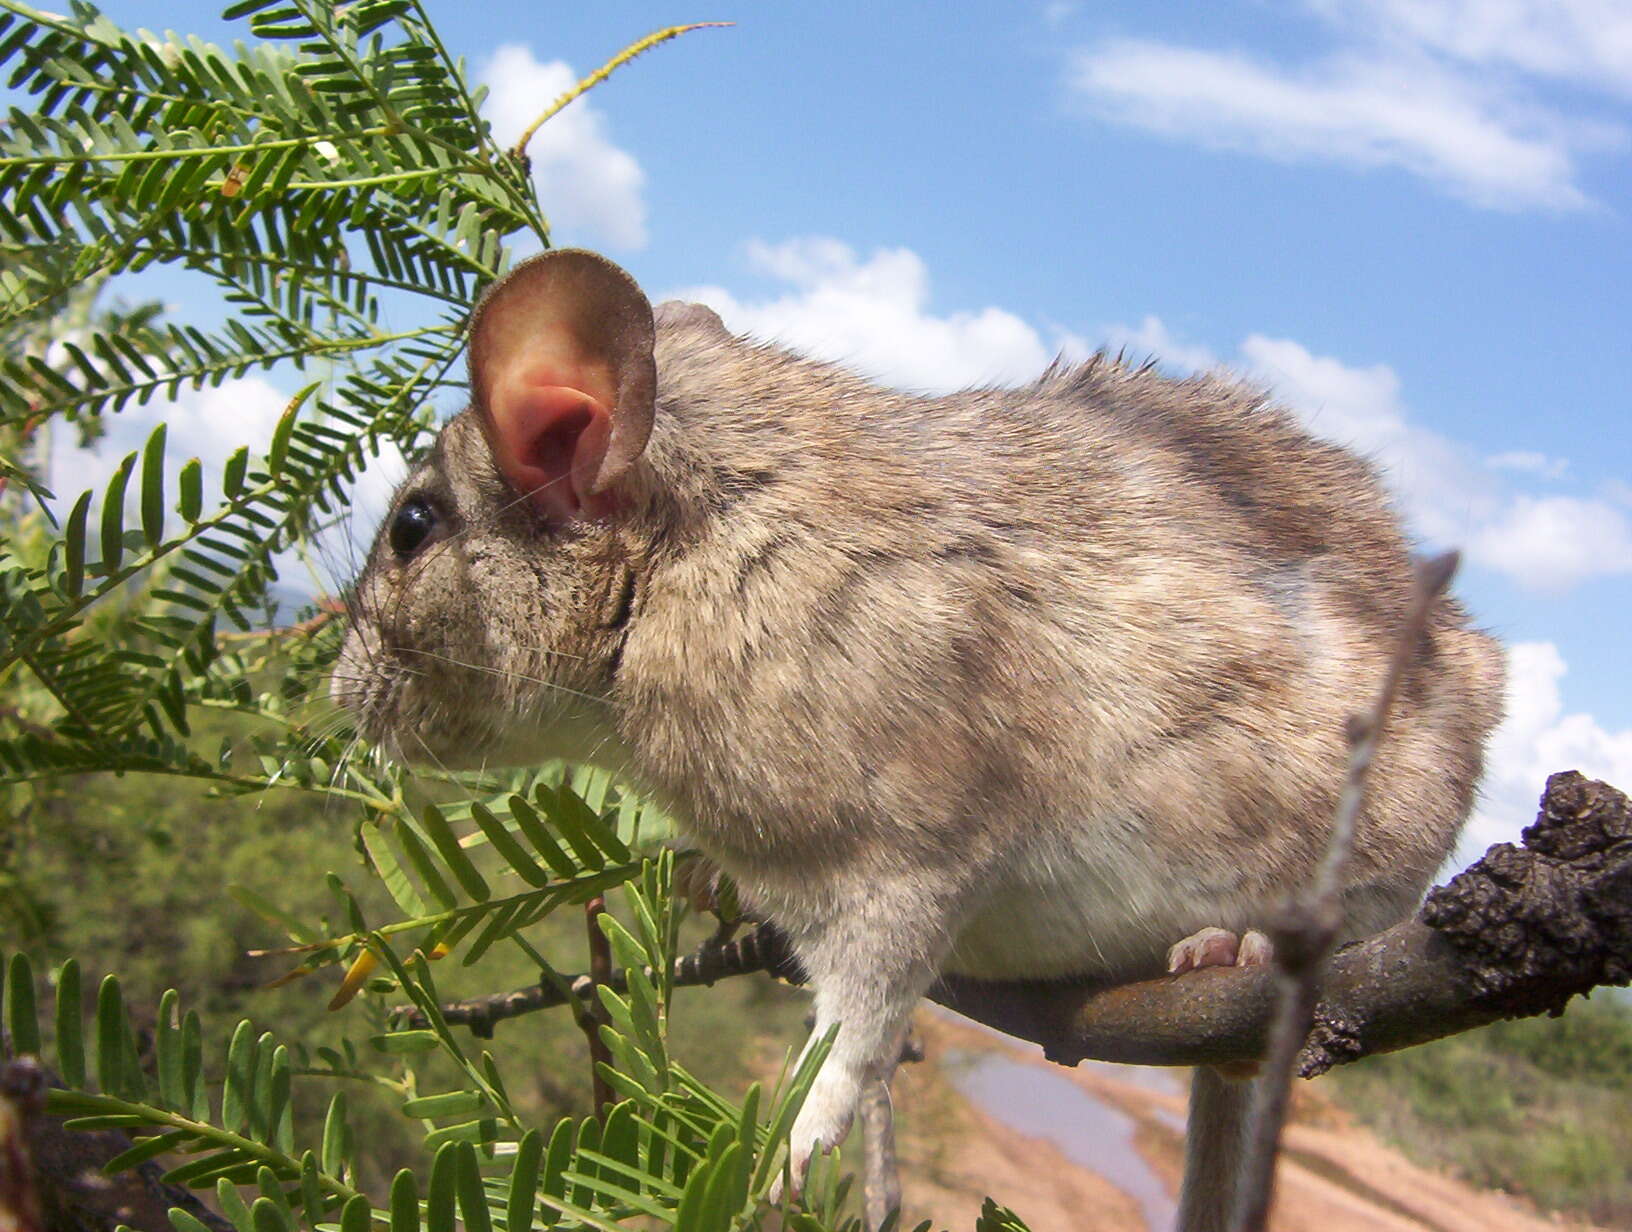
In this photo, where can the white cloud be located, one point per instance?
(1442, 486)
(1451, 496)
(590, 188)
(208, 424)
(1588, 41)
(211, 424)
(1357, 109)
(1552, 542)
(1152, 339)
(873, 315)
(1530, 462)
(1537, 738)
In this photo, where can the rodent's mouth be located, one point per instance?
(371, 722)
(420, 735)
(372, 699)
(413, 730)
(441, 711)
(432, 741)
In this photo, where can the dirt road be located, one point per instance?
(1098, 1148)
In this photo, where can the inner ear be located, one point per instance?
(563, 380)
(552, 440)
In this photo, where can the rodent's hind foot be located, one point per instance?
(1219, 947)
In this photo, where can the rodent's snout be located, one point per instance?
(341, 676)
(354, 670)
(340, 687)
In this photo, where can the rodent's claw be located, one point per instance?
(1256, 950)
(697, 883)
(1207, 947)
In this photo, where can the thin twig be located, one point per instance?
(761, 950)
(880, 1173)
(880, 1170)
(595, 1015)
(1433, 576)
(14, 714)
(330, 608)
(22, 1098)
(519, 150)
(1304, 933)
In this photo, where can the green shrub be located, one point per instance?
(1536, 1106)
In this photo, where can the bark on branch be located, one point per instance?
(763, 949)
(51, 1178)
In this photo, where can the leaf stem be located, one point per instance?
(153, 1115)
(519, 150)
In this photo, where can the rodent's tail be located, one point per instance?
(1214, 1143)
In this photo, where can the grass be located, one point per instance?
(1536, 1107)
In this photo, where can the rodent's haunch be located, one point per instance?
(1027, 682)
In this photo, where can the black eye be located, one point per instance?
(409, 528)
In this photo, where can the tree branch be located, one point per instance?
(593, 1015)
(1516, 934)
(52, 1178)
(328, 609)
(718, 958)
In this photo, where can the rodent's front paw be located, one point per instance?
(820, 1126)
(697, 882)
(708, 889)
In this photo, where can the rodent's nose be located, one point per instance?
(345, 678)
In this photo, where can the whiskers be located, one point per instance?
(431, 754)
(506, 673)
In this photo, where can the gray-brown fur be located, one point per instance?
(1012, 682)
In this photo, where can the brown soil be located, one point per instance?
(1334, 1176)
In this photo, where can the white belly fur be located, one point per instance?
(1089, 909)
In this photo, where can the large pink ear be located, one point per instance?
(562, 377)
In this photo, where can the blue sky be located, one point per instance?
(1411, 218)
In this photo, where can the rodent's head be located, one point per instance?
(487, 624)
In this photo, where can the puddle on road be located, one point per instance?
(1031, 1099)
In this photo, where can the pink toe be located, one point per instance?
(1255, 950)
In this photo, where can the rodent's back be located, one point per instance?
(1107, 599)
(1097, 459)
